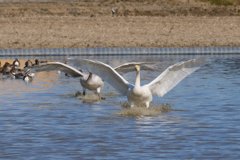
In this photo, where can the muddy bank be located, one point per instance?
(107, 31)
(64, 25)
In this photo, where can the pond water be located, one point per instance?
(45, 120)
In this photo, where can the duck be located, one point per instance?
(142, 95)
(16, 73)
(7, 67)
(5, 70)
(28, 77)
(28, 63)
(37, 62)
(16, 63)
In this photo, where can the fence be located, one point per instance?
(119, 51)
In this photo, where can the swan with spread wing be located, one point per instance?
(89, 80)
(142, 95)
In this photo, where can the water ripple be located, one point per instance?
(44, 120)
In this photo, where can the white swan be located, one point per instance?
(88, 81)
(142, 95)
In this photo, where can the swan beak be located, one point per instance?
(137, 68)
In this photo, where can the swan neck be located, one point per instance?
(137, 82)
(89, 76)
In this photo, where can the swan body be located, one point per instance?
(91, 82)
(142, 95)
(138, 94)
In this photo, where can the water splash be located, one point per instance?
(88, 98)
(143, 111)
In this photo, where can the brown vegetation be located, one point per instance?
(124, 8)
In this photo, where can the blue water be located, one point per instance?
(44, 120)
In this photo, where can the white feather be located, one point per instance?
(108, 74)
(51, 66)
(130, 67)
(143, 94)
(173, 75)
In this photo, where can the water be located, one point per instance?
(44, 120)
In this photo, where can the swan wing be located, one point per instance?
(130, 67)
(108, 74)
(52, 66)
(174, 74)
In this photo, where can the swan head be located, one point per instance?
(137, 67)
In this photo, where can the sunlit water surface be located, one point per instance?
(45, 120)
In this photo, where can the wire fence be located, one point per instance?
(119, 51)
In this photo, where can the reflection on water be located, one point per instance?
(42, 81)
(45, 120)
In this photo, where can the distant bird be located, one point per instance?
(37, 62)
(16, 73)
(16, 63)
(28, 76)
(6, 68)
(88, 81)
(114, 11)
(138, 95)
(28, 63)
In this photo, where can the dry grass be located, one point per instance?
(223, 2)
(124, 8)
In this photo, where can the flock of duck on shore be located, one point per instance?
(13, 70)
(137, 94)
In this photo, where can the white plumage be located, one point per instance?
(88, 80)
(142, 95)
